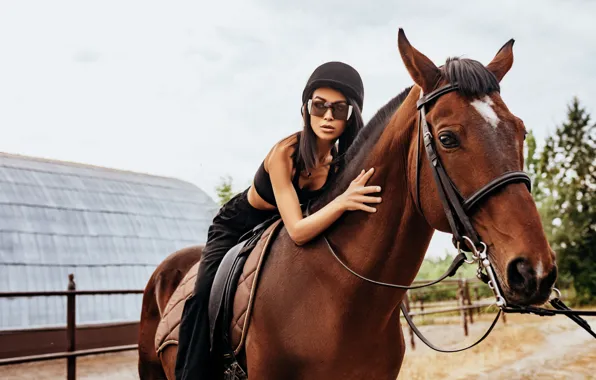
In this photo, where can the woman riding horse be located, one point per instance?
(312, 319)
(296, 170)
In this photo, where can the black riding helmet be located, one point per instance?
(339, 76)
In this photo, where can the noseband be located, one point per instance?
(456, 208)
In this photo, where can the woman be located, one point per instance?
(296, 170)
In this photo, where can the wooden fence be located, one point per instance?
(71, 352)
(417, 307)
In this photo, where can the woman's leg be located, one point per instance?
(194, 344)
(232, 221)
(193, 359)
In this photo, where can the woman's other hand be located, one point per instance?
(355, 197)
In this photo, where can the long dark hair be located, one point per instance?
(305, 156)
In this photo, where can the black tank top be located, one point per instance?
(263, 186)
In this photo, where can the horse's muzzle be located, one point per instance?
(526, 286)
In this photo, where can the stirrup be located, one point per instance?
(235, 372)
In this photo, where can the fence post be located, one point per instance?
(71, 361)
(468, 300)
(461, 302)
(477, 296)
(407, 305)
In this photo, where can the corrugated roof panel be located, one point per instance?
(110, 228)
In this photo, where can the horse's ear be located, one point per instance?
(503, 61)
(422, 70)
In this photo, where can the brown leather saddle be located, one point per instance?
(234, 286)
(232, 294)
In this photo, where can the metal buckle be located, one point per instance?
(484, 264)
(556, 291)
(474, 252)
(428, 138)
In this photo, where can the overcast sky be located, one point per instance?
(202, 89)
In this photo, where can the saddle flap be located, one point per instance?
(228, 270)
(243, 296)
(169, 324)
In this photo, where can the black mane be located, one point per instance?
(473, 78)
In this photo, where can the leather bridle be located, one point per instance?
(454, 205)
(456, 208)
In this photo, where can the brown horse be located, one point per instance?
(314, 320)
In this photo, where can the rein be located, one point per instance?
(464, 234)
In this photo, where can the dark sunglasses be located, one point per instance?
(340, 110)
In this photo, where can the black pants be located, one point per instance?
(236, 217)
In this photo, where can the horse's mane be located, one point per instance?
(473, 78)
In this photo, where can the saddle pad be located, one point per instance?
(168, 328)
(169, 325)
(246, 289)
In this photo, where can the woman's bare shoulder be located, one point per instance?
(282, 150)
(287, 143)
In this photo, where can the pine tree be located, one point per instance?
(564, 177)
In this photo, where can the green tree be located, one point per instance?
(564, 178)
(224, 190)
(531, 159)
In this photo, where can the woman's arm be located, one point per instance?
(300, 229)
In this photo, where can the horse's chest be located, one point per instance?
(325, 350)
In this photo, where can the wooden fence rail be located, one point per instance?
(71, 353)
(464, 305)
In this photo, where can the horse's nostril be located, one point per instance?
(521, 276)
(547, 282)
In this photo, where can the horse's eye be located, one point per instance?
(448, 140)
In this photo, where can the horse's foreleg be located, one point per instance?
(151, 370)
(168, 361)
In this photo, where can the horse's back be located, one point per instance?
(160, 287)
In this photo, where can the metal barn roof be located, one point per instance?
(110, 228)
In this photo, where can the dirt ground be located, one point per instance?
(117, 366)
(526, 347)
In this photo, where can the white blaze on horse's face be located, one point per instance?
(484, 107)
(539, 270)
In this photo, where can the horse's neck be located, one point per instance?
(388, 245)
